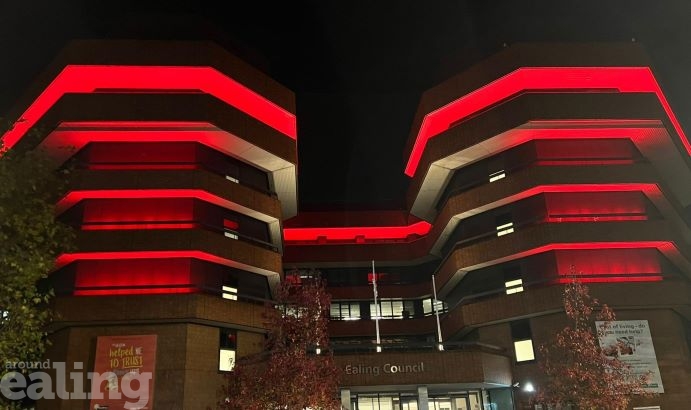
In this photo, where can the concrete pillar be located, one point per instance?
(422, 398)
(345, 399)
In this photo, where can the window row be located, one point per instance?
(387, 309)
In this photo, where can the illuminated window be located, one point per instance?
(345, 311)
(504, 224)
(231, 179)
(522, 341)
(226, 351)
(496, 176)
(514, 286)
(513, 283)
(388, 309)
(427, 310)
(524, 350)
(229, 292)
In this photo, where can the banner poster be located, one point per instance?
(124, 373)
(631, 342)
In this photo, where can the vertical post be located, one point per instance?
(377, 310)
(345, 399)
(440, 346)
(422, 398)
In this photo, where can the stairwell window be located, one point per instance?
(226, 351)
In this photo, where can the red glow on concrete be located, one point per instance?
(590, 262)
(598, 218)
(146, 167)
(352, 233)
(621, 79)
(139, 226)
(133, 274)
(89, 79)
(108, 134)
(662, 246)
(595, 206)
(612, 279)
(134, 291)
(137, 210)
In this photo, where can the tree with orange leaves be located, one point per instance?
(579, 373)
(296, 370)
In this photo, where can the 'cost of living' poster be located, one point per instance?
(631, 342)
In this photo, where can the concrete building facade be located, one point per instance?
(538, 165)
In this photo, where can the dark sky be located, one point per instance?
(357, 67)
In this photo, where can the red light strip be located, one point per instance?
(662, 246)
(422, 228)
(76, 135)
(350, 233)
(623, 79)
(73, 197)
(86, 79)
(67, 258)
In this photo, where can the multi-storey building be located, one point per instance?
(542, 163)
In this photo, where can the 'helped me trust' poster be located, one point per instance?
(124, 373)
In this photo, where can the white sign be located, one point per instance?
(631, 342)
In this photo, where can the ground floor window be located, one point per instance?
(392, 401)
(470, 401)
(407, 401)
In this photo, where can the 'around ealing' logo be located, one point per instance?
(23, 380)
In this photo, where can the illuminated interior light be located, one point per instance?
(231, 179)
(504, 226)
(85, 79)
(621, 79)
(505, 232)
(230, 235)
(497, 176)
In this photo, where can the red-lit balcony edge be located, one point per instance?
(93, 78)
(575, 79)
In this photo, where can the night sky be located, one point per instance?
(357, 68)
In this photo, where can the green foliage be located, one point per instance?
(31, 239)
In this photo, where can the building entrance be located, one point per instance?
(469, 401)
